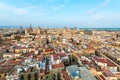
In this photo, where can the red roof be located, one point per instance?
(58, 66)
(108, 72)
(101, 76)
(21, 63)
(42, 71)
(109, 63)
(13, 62)
(104, 60)
(1, 63)
(55, 57)
(61, 54)
(40, 57)
(58, 56)
(49, 50)
(5, 68)
(29, 54)
(65, 75)
(98, 59)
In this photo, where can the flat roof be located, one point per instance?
(86, 74)
(73, 70)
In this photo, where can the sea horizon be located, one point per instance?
(81, 28)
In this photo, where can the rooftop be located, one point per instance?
(58, 66)
(65, 75)
(104, 60)
(73, 70)
(59, 55)
(86, 74)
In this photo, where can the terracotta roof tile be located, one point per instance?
(40, 57)
(65, 75)
(104, 60)
(58, 66)
(49, 50)
(58, 56)
(13, 62)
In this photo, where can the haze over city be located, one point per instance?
(59, 40)
(60, 13)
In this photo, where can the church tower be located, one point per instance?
(29, 30)
(38, 30)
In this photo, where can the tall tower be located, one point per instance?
(21, 29)
(65, 27)
(38, 30)
(31, 29)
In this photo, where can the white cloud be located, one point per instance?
(12, 9)
(105, 3)
(58, 7)
(101, 6)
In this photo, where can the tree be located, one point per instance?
(22, 77)
(59, 76)
(36, 76)
(47, 41)
(97, 53)
(29, 76)
(7, 50)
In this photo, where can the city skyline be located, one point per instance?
(60, 13)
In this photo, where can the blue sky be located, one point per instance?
(60, 13)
